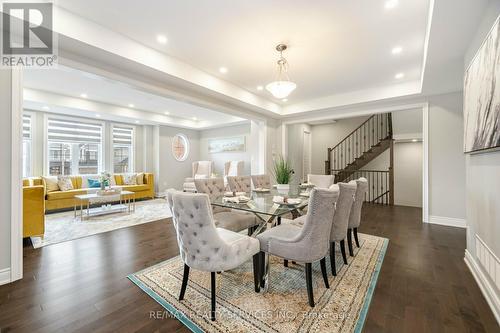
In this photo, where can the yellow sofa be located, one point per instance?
(66, 199)
(33, 207)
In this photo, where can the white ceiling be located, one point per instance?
(335, 47)
(70, 82)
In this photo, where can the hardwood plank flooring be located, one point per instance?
(81, 286)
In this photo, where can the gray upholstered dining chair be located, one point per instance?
(225, 217)
(321, 181)
(200, 169)
(355, 216)
(307, 244)
(341, 220)
(240, 183)
(206, 248)
(261, 181)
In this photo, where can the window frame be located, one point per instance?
(187, 148)
(132, 166)
(32, 141)
(102, 152)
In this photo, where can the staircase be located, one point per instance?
(360, 147)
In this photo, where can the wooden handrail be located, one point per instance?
(348, 135)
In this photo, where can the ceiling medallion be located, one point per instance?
(282, 86)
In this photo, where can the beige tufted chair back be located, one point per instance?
(342, 210)
(214, 187)
(321, 181)
(203, 169)
(261, 181)
(200, 244)
(359, 198)
(240, 183)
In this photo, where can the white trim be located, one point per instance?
(4, 276)
(484, 284)
(447, 221)
(425, 161)
(16, 227)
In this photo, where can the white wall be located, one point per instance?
(446, 158)
(221, 158)
(5, 167)
(482, 172)
(171, 173)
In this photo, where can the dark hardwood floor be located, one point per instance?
(424, 285)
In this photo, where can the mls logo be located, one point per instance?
(27, 35)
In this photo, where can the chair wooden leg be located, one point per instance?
(262, 269)
(322, 263)
(310, 294)
(212, 282)
(332, 258)
(349, 242)
(285, 263)
(185, 277)
(356, 236)
(256, 272)
(342, 250)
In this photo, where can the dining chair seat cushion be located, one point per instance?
(234, 220)
(281, 241)
(298, 222)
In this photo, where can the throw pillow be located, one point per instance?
(51, 183)
(140, 178)
(94, 183)
(64, 183)
(129, 179)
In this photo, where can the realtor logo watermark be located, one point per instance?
(27, 35)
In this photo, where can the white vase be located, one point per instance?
(283, 188)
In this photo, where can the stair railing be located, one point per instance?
(376, 128)
(379, 185)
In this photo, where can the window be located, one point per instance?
(74, 147)
(180, 147)
(123, 143)
(27, 144)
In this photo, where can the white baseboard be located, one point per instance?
(487, 288)
(4, 276)
(447, 221)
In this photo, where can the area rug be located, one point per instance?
(62, 227)
(283, 308)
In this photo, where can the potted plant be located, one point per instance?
(104, 179)
(283, 173)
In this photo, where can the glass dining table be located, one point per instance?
(268, 212)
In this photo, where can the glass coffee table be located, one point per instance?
(125, 203)
(267, 211)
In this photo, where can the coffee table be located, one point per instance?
(126, 203)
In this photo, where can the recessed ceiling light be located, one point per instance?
(397, 50)
(137, 121)
(162, 39)
(83, 95)
(223, 70)
(131, 105)
(260, 88)
(194, 118)
(166, 113)
(414, 140)
(284, 100)
(45, 107)
(390, 4)
(98, 116)
(399, 76)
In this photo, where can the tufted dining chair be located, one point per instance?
(240, 183)
(340, 220)
(355, 216)
(205, 247)
(225, 217)
(261, 181)
(200, 170)
(307, 244)
(321, 181)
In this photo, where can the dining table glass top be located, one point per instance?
(264, 203)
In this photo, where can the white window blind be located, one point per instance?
(123, 135)
(62, 130)
(26, 126)
(123, 143)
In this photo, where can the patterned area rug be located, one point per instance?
(284, 307)
(62, 227)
